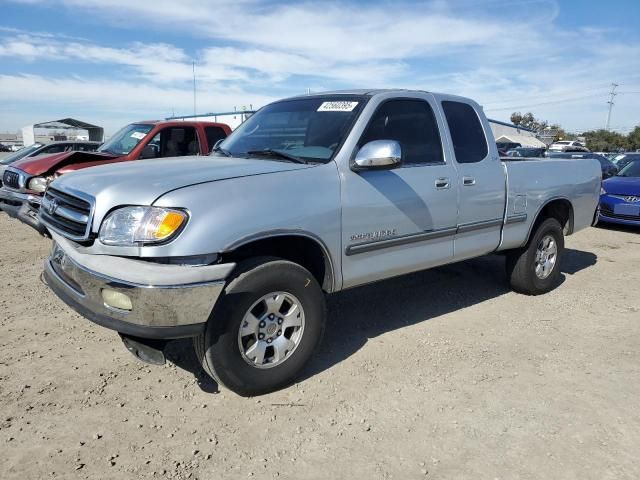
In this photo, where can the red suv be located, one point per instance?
(25, 181)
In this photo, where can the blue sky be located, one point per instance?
(115, 61)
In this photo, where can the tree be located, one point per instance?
(606, 141)
(633, 139)
(528, 121)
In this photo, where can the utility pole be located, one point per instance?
(612, 94)
(193, 64)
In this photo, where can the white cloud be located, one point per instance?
(494, 51)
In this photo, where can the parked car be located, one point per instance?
(527, 152)
(26, 180)
(16, 147)
(49, 148)
(568, 145)
(311, 195)
(623, 159)
(4, 148)
(607, 166)
(38, 149)
(620, 196)
(506, 146)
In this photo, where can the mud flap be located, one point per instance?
(145, 349)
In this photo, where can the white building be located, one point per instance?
(507, 132)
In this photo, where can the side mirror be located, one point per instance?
(148, 151)
(378, 155)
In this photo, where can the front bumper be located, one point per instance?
(24, 207)
(609, 214)
(161, 309)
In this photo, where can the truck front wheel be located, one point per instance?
(264, 328)
(535, 268)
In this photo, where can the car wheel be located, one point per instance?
(264, 328)
(535, 269)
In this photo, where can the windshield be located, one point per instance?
(126, 139)
(631, 170)
(310, 129)
(22, 153)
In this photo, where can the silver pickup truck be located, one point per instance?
(311, 195)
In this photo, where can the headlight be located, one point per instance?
(602, 191)
(38, 184)
(134, 225)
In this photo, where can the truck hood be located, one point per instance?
(622, 185)
(142, 182)
(48, 164)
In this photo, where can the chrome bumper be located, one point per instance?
(22, 206)
(160, 309)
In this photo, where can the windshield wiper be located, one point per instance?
(222, 151)
(277, 153)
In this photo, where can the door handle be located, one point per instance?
(442, 183)
(468, 181)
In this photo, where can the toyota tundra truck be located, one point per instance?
(24, 182)
(311, 195)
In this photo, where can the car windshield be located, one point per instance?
(22, 153)
(631, 170)
(126, 139)
(307, 129)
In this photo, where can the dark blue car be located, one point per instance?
(620, 197)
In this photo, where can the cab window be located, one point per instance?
(467, 135)
(173, 142)
(413, 125)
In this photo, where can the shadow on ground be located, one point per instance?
(358, 314)
(616, 227)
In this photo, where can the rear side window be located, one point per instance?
(213, 135)
(413, 125)
(469, 141)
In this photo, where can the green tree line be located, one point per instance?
(597, 140)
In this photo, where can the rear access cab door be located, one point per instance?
(481, 178)
(404, 219)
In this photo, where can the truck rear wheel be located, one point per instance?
(535, 268)
(264, 328)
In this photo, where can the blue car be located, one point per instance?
(620, 197)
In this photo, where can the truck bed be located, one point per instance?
(533, 182)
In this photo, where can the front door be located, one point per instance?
(401, 220)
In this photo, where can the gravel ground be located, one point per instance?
(443, 374)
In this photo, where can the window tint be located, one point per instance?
(57, 148)
(86, 147)
(412, 124)
(175, 142)
(213, 135)
(469, 142)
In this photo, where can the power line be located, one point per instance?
(545, 96)
(612, 94)
(552, 102)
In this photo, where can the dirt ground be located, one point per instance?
(444, 374)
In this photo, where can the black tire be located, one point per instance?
(521, 263)
(218, 348)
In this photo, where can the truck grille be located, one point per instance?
(11, 179)
(66, 214)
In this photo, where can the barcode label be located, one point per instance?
(337, 106)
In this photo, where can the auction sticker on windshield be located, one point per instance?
(337, 106)
(138, 135)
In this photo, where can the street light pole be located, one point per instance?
(194, 88)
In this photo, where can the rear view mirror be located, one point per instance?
(378, 155)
